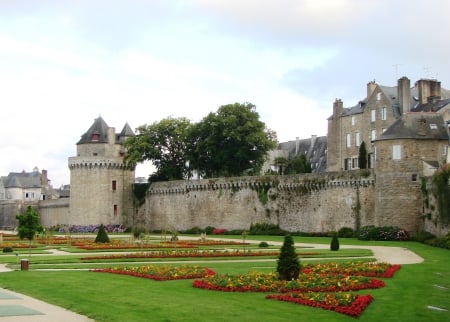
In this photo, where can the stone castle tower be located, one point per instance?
(100, 181)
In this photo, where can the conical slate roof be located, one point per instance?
(127, 131)
(97, 133)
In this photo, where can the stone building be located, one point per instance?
(367, 120)
(21, 189)
(314, 149)
(100, 180)
(404, 154)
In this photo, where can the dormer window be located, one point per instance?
(94, 137)
(433, 126)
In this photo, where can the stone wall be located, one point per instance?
(309, 203)
(54, 212)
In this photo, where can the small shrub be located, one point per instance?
(102, 236)
(219, 231)
(7, 250)
(382, 233)
(334, 245)
(288, 266)
(138, 231)
(346, 232)
(209, 230)
(423, 236)
(265, 229)
(263, 244)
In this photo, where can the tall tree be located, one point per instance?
(299, 164)
(163, 143)
(231, 142)
(362, 158)
(29, 224)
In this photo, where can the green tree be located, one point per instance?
(231, 142)
(29, 225)
(102, 236)
(299, 164)
(163, 143)
(362, 158)
(288, 266)
(281, 163)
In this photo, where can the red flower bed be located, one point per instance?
(352, 269)
(160, 272)
(258, 282)
(183, 254)
(355, 308)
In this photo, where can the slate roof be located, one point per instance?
(431, 106)
(100, 129)
(22, 180)
(314, 148)
(418, 126)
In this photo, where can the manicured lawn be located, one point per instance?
(109, 297)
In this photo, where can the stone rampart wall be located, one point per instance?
(309, 203)
(54, 212)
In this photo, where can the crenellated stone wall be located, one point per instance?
(309, 203)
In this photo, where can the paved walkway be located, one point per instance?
(15, 307)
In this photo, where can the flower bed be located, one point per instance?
(160, 272)
(352, 269)
(345, 303)
(269, 282)
(326, 286)
(185, 253)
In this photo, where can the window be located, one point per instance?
(444, 149)
(373, 135)
(355, 162)
(373, 115)
(357, 139)
(383, 113)
(114, 185)
(433, 126)
(396, 152)
(115, 210)
(349, 140)
(94, 137)
(371, 160)
(353, 120)
(383, 130)
(378, 96)
(414, 177)
(347, 164)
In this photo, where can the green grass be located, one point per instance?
(108, 297)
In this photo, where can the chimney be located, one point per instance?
(44, 178)
(111, 135)
(404, 94)
(338, 108)
(371, 88)
(427, 88)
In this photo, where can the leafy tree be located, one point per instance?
(164, 143)
(102, 236)
(281, 163)
(288, 266)
(29, 224)
(362, 158)
(299, 164)
(230, 142)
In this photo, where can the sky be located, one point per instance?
(64, 63)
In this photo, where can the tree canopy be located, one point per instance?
(164, 143)
(231, 142)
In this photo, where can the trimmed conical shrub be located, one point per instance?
(334, 243)
(102, 236)
(288, 266)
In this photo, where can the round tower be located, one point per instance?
(100, 181)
